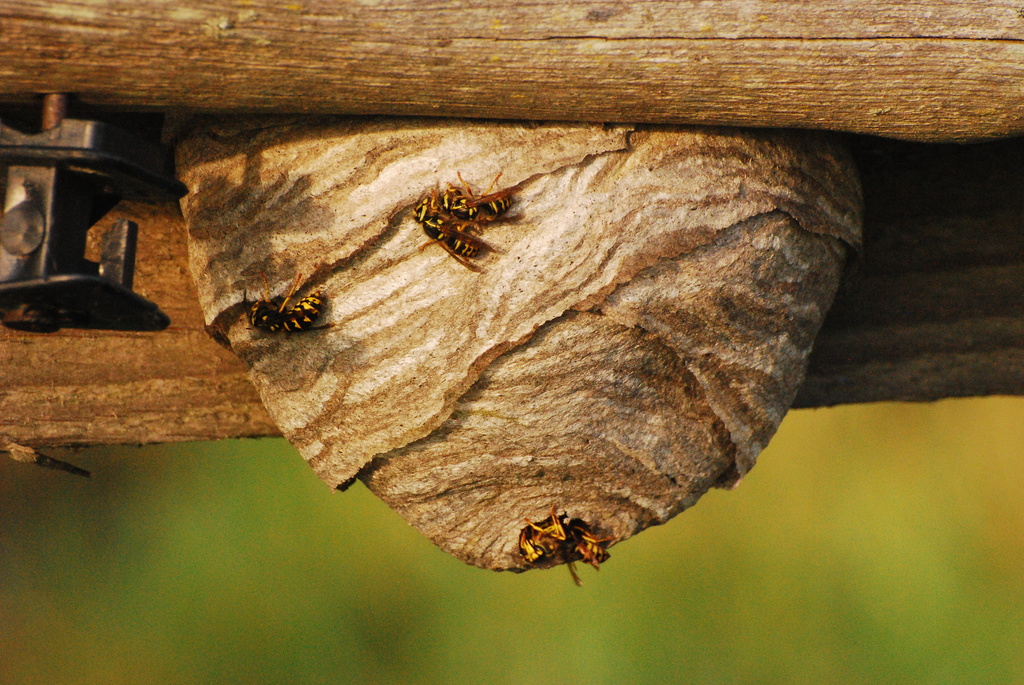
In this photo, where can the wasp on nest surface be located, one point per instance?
(273, 313)
(450, 217)
(562, 540)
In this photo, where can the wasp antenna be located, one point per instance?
(295, 286)
(493, 183)
(266, 286)
(466, 185)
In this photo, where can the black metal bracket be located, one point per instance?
(60, 183)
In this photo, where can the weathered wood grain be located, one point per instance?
(938, 71)
(936, 308)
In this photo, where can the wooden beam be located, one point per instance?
(936, 309)
(938, 70)
(77, 387)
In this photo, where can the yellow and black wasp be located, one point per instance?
(450, 217)
(544, 539)
(590, 548)
(466, 205)
(562, 541)
(449, 232)
(274, 314)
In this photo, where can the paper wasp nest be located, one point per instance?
(636, 341)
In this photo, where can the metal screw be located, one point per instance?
(55, 108)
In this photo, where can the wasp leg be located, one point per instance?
(572, 572)
(295, 286)
(469, 191)
(493, 183)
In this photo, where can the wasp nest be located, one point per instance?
(634, 336)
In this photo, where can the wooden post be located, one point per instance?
(939, 70)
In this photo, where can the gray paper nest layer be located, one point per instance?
(636, 341)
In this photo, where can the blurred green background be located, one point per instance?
(878, 543)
